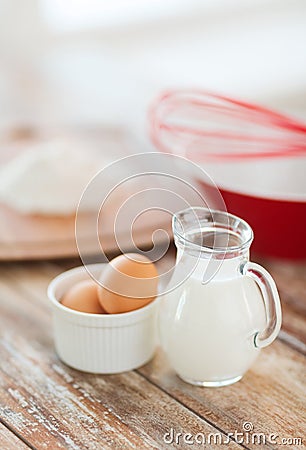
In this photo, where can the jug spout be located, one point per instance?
(212, 243)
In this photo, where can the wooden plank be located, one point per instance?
(9, 441)
(271, 396)
(53, 406)
(28, 237)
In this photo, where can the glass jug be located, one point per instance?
(219, 309)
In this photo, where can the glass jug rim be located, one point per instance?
(246, 236)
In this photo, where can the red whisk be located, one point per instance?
(201, 125)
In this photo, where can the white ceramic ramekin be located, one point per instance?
(101, 343)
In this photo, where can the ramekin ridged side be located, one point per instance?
(101, 343)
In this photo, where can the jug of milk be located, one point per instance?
(219, 309)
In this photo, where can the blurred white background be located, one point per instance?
(100, 62)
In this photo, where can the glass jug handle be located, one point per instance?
(271, 299)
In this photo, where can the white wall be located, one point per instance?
(107, 71)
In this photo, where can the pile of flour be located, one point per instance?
(49, 178)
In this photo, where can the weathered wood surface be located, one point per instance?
(291, 281)
(9, 440)
(51, 406)
(271, 395)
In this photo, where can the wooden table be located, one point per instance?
(47, 405)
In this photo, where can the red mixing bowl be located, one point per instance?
(271, 196)
(279, 225)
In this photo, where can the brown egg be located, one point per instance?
(83, 296)
(129, 282)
